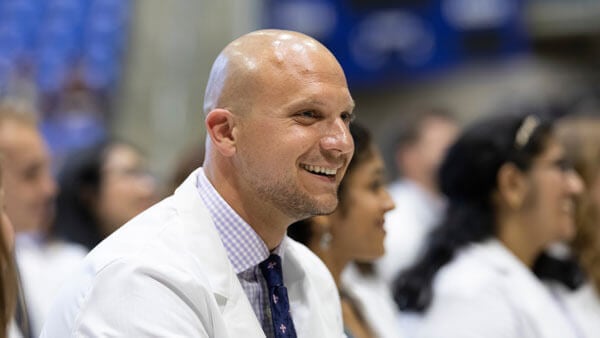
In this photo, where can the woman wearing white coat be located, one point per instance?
(510, 194)
(354, 233)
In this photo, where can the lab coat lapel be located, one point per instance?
(305, 302)
(213, 263)
(529, 293)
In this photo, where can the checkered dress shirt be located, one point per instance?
(245, 250)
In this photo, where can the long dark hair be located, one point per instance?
(467, 177)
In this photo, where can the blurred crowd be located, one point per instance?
(490, 225)
(486, 226)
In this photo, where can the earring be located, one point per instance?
(515, 203)
(325, 240)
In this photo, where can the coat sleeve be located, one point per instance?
(484, 314)
(129, 300)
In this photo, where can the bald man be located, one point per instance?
(277, 112)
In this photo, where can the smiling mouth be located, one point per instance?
(318, 170)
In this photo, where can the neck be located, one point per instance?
(335, 262)
(525, 248)
(269, 223)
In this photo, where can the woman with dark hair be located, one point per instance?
(510, 195)
(101, 188)
(354, 232)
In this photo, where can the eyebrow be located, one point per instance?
(317, 102)
(379, 171)
(351, 107)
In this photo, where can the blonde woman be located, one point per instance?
(8, 276)
(581, 137)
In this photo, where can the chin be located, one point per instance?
(567, 232)
(373, 256)
(327, 205)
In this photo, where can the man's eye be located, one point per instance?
(348, 117)
(308, 113)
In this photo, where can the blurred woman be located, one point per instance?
(101, 188)
(510, 195)
(8, 274)
(354, 232)
(190, 159)
(581, 137)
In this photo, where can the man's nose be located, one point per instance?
(338, 138)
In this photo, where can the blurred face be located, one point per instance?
(438, 134)
(595, 190)
(550, 204)
(358, 229)
(29, 186)
(126, 189)
(295, 144)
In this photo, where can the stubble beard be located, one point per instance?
(294, 202)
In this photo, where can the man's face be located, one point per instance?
(294, 141)
(28, 184)
(437, 135)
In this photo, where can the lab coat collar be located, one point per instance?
(208, 247)
(215, 265)
(213, 262)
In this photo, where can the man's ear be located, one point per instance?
(512, 185)
(220, 124)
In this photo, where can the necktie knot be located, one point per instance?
(271, 270)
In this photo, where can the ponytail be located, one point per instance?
(464, 223)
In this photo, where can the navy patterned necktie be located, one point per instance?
(283, 326)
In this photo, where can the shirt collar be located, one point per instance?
(245, 249)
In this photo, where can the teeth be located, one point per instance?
(320, 170)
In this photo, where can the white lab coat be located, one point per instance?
(44, 265)
(407, 226)
(13, 330)
(487, 292)
(583, 306)
(166, 274)
(374, 301)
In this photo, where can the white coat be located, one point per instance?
(166, 274)
(44, 266)
(487, 292)
(583, 306)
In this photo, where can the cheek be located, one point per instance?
(595, 192)
(363, 237)
(256, 150)
(113, 196)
